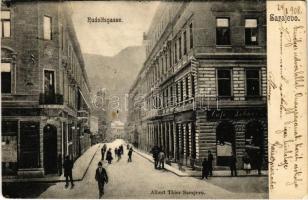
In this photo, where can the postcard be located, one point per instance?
(154, 99)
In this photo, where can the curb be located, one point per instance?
(165, 168)
(195, 176)
(22, 180)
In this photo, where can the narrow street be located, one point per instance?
(139, 179)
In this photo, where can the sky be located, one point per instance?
(109, 39)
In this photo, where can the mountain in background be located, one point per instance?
(115, 73)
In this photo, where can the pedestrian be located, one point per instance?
(130, 153)
(121, 149)
(109, 156)
(101, 177)
(116, 152)
(59, 164)
(105, 147)
(68, 167)
(232, 164)
(259, 162)
(127, 147)
(161, 158)
(119, 153)
(246, 161)
(210, 162)
(103, 153)
(205, 169)
(155, 152)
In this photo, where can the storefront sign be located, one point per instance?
(236, 114)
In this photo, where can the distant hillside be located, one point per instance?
(116, 73)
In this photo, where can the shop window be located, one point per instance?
(222, 31)
(251, 32)
(253, 82)
(225, 143)
(6, 24)
(6, 78)
(9, 130)
(254, 142)
(47, 28)
(29, 144)
(224, 82)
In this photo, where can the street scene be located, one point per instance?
(139, 179)
(130, 99)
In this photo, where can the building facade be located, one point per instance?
(203, 84)
(44, 88)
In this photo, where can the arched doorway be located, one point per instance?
(254, 137)
(225, 142)
(50, 149)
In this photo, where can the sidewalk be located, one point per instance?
(80, 169)
(187, 172)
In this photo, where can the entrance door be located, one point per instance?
(225, 142)
(50, 149)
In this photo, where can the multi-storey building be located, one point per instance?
(44, 87)
(203, 84)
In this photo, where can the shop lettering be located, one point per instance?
(231, 114)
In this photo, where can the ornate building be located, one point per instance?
(45, 90)
(203, 85)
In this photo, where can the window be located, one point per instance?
(49, 86)
(251, 32)
(224, 82)
(185, 41)
(192, 86)
(175, 53)
(222, 31)
(180, 47)
(6, 24)
(253, 82)
(182, 90)
(187, 87)
(6, 78)
(191, 36)
(171, 96)
(177, 92)
(47, 28)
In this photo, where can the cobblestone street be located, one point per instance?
(139, 179)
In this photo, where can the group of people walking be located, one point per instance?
(159, 157)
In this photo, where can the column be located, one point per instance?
(175, 141)
(180, 141)
(184, 143)
(166, 139)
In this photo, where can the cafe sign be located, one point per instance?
(236, 114)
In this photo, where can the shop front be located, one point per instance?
(236, 132)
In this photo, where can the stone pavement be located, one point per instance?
(81, 166)
(187, 172)
(138, 179)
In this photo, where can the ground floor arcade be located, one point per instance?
(187, 137)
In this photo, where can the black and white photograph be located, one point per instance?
(135, 99)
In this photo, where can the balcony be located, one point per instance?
(55, 99)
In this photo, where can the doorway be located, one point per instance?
(50, 149)
(225, 142)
